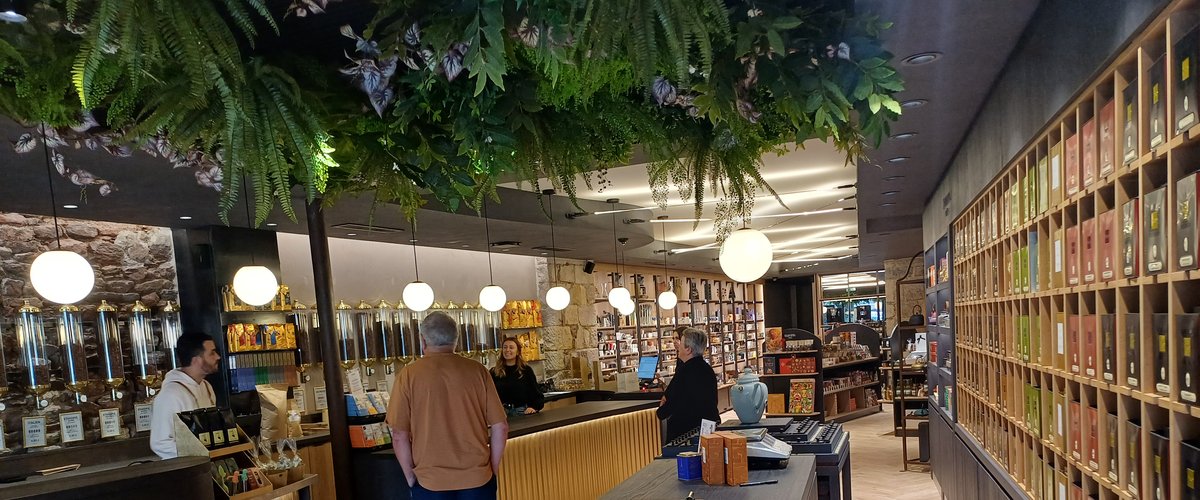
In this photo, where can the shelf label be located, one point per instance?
(142, 416)
(34, 431)
(354, 379)
(1062, 337)
(300, 403)
(72, 426)
(319, 398)
(110, 422)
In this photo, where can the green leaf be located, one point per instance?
(787, 23)
(891, 104)
(874, 101)
(776, 42)
(863, 89)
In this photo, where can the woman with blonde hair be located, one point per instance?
(515, 381)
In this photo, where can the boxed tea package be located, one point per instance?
(1158, 102)
(1076, 429)
(1129, 145)
(736, 459)
(1130, 224)
(1185, 222)
(1088, 329)
(1088, 144)
(1108, 347)
(1087, 250)
(1133, 352)
(1186, 374)
(1073, 342)
(1160, 324)
(1106, 244)
(712, 459)
(1073, 254)
(1093, 444)
(1072, 164)
(1108, 115)
(1133, 430)
(1114, 455)
(1190, 456)
(1155, 237)
(1185, 94)
(1160, 465)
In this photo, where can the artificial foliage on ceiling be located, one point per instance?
(444, 99)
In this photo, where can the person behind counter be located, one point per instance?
(515, 381)
(183, 389)
(692, 393)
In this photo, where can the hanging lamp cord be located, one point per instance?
(616, 260)
(50, 180)
(553, 246)
(670, 285)
(246, 203)
(487, 233)
(413, 240)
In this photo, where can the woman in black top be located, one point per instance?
(515, 382)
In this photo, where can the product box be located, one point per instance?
(1154, 229)
(1035, 284)
(1056, 174)
(1061, 358)
(1072, 164)
(1190, 457)
(1185, 81)
(736, 460)
(1076, 492)
(1031, 191)
(1114, 455)
(1075, 428)
(1108, 115)
(1058, 271)
(1060, 408)
(1073, 343)
(1133, 431)
(1158, 102)
(770, 365)
(1088, 145)
(1043, 194)
(1133, 352)
(1160, 323)
(1108, 347)
(1185, 222)
(1093, 438)
(1160, 465)
(1129, 145)
(1023, 268)
(1087, 250)
(1035, 341)
(712, 459)
(1087, 329)
(1106, 243)
(1130, 224)
(1187, 331)
(775, 403)
(1073, 255)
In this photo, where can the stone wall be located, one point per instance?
(911, 294)
(572, 328)
(131, 263)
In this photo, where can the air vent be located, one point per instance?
(367, 228)
(506, 244)
(553, 249)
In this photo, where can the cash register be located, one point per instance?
(648, 374)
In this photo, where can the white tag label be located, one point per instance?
(34, 430)
(1058, 256)
(319, 398)
(354, 379)
(1055, 172)
(3, 445)
(301, 403)
(706, 427)
(110, 422)
(1062, 491)
(1062, 337)
(72, 426)
(142, 416)
(382, 386)
(1058, 413)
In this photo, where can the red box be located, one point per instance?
(1088, 144)
(1094, 439)
(1088, 330)
(1071, 164)
(1108, 116)
(1073, 343)
(1106, 241)
(1087, 250)
(1073, 255)
(1076, 420)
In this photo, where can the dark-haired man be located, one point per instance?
(183, 389)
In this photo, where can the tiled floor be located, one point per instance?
(876, 462)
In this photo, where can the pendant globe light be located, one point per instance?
(418, 295)
(254, 284)
(557, 297)
(619, 294)
(667, 299)
(746, 255)
(60, 276)
(491, 297)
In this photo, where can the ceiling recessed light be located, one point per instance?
(913, 103)
(412, 240)
(890, 193)
(922, 58)
(351, 234)
(185, 217)
(888, 204)
(271, 224)
(898, 159)
(544, 253)
(70, 207)
(893, 177)
(905, 135)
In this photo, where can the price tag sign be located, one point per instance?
(110, 422)
(319, 398)
(34, 431)
(301, 404)
(143, 412)
(72, 426)
(354, 378)
(382, 386)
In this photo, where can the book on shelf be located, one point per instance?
(1106, 242)
(1158, 102)
(1159, 327)
(1130, 229)
(1133, 351)
(1108, 115)
(1185, 221)
(1087, 250)
(1129, 145)
(1185, 80)
(1088, 145)
(1108, 347)
(1155, 230)
(1088, 330)
(1186, 373)
(1073, 255)
(1056, 174)
(1072, 164)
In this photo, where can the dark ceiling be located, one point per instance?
(974, 37)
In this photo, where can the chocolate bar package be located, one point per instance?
(1072, 164)
(1088, 145)
(1106, 243)
(1108, 347)
(1185, 222)
(1108, 115)
(1185, 81)
(1158, 102)
(1133, 352)
(1130, 225)
(1186, 374)
(1154, 225)
(1129, 145)
(1160, 465)
(1160, 323)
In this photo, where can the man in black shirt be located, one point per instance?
(692, 394)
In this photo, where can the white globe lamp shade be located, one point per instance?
(619, 295)
(746, 255)
(626, 309)
(62, 277)
(492, 298)
(255, 285)
(667, 300)
(418, 296)
(558, 298)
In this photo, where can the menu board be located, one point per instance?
(33, 431)
(110, 422)
(143, 412)
(71, 425)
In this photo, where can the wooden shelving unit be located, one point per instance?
(861, 397)
(808, 382)
(939, 307)
(1074, 340)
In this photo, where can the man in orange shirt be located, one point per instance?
(441, 410)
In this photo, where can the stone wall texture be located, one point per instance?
(573, 328)
(910, 294)
(131, 263)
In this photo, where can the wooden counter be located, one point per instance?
(660, 480)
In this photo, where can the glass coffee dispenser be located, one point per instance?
(404, 327)
(307, 338)
(108, 332)
(3, 364)
(171, 330)
(74, 358)
(142, 343)
(368, 339)
(490, 325)
(386, 333)
(31, 338)
(347, 347)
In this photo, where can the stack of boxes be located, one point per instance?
(724, 458)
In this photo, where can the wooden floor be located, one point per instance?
(876, 462)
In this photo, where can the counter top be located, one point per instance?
(660, 480)
(580, 412)
(189, 477)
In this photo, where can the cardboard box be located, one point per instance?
(1129, 144)
(1088, 144)
(1133, 351)
(1076, 429)
(1106, 243)
(1158, 102)
(1185, 340)
(1093, 438)
(1130, 230)
(712, 459)
(775, 403)
(1108, 347)
(1114, 455)
(1160, 465)
(737, 469)
(1108, 116)
(1185, 93)
(1058, 269)
(1160, 325)
(1087, 250)
(1185, 222)
(1087, 328)
(1190, 457)
(1061, 358)
(1073, 343)
(1133, 449)
(1073, 255)
(1072, 164)
(1154, 230)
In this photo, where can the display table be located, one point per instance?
(578, 451)
(659, 480)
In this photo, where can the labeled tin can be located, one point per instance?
(688, 466)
